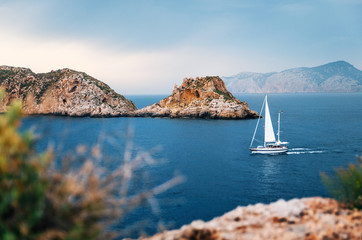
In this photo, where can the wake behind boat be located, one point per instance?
(271, 145)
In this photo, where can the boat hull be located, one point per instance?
(269, 150)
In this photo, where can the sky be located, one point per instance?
(148, 46)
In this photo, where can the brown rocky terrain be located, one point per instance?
(71, 93)
(61, 92)
(307, 218)
(200, 98)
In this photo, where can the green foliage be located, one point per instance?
(56, 75)
(200, 84)
(36, 203)
(130, 104)
(225, 94)
(346, 186)
(210, 78)
(104, 87)
(22, 186)
(5, 74)
(43, 89)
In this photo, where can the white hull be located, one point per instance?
(269, 150)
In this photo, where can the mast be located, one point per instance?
(278, 127)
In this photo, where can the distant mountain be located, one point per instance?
(337, 76)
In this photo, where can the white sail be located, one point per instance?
(269, 131)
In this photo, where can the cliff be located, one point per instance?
(307, 218)
(62, 92)
(71, 93)
(200, 98)
(332, 77)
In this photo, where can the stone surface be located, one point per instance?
(199, 98)
(307, 218)
(62, 92)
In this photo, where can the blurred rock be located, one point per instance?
(307, 218)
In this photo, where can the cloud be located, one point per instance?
(129, 72)
(25, 42)
(148, 50)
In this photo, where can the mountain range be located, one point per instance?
(337, 76)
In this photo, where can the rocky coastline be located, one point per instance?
(66, 92)
(306, 218)
(63, 92)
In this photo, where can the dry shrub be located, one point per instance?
(346, 185)
(40, 201)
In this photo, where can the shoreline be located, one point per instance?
(128, 116)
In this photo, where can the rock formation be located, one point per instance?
(71, 93)
(308, 218)
(200, 98)
(61, 92)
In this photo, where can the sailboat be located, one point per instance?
(271, 145)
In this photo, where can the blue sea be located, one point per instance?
(324, 132)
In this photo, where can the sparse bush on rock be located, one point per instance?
(346, 185)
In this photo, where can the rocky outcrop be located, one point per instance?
(308, 218)
(71, 93)
(199, 98)
(62, 92)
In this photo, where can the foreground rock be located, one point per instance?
(199, 98)
(62, 92)
(308, 218)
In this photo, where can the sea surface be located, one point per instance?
(324, 132)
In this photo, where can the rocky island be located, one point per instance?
(70, 93)
(205, 97)
(62, 92)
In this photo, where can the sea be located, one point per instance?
(324, 131)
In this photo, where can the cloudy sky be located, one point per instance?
(146, 46)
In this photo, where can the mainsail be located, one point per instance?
(269, 131)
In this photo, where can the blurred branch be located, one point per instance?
(79, 199)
